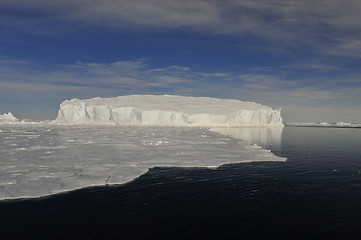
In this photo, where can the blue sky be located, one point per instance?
(303, 56)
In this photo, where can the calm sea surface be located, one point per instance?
(315, 194)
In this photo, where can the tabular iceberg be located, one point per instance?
(167, 110)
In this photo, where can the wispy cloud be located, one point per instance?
(346, 47)
(321, 67)
(130, 77)
(265, 81)
(13, 61)
(314, 23)
(120, 77)
(168, 79)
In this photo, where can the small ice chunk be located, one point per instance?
(8, 118)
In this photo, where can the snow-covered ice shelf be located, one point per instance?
(39, 160)
(167, 110)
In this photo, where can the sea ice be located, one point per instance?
(44, 159)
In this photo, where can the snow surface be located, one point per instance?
(8, 118)
(167, 110)
(43, 159)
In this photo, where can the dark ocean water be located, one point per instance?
(315, 194)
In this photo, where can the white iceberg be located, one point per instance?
(343, 124)
(167, 110)
(8, 118)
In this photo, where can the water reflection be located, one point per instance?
(268, 137)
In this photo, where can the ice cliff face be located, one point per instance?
(166, 110)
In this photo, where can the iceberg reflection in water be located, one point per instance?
(264, 136)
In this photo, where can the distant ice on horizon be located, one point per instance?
(325, 124)
(8, 118)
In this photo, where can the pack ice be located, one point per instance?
(40, 160)
(167, 110)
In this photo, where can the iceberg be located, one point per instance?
(167, 110)
(8, 118)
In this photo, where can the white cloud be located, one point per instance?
(168, 79)
(345, 47)
(311, 94)
(13, 61)
(235, 16)
(213, 74)
(109, 78)
(40, 90)
(313, 66)
(265, 81)
(330, 27)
